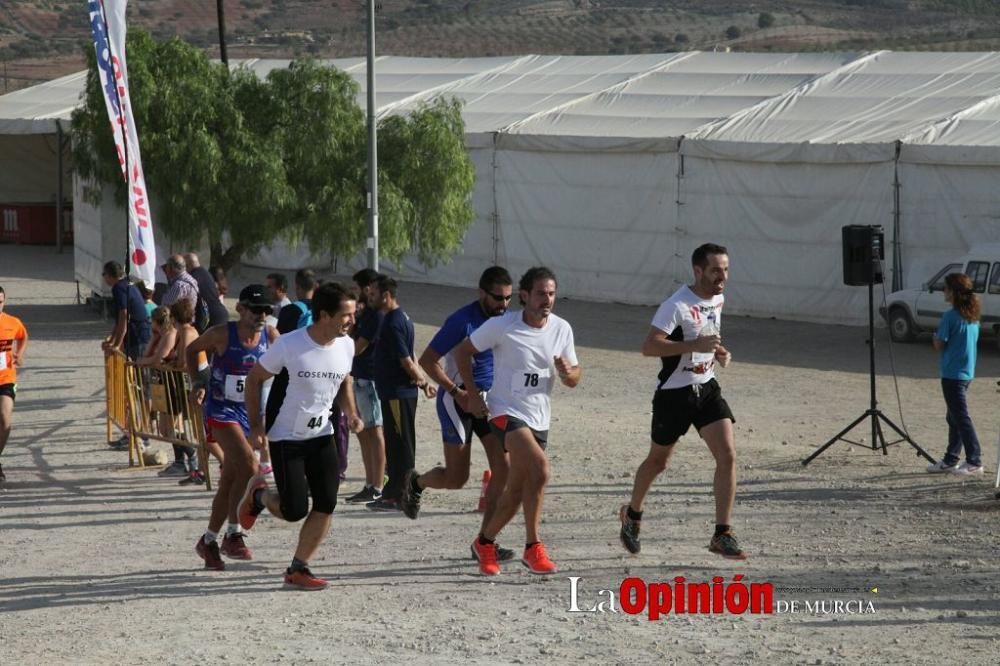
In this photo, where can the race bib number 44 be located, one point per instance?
(235, 388)
(309, 425)
(531, 380)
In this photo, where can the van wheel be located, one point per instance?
(901, 327)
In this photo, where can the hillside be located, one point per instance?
(42, 39)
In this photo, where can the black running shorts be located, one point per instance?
(9, 390)
(501, 425)
(676, 410)
(303, 468)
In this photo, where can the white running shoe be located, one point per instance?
(965, 469)
(941, 466)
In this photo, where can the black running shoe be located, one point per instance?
(365, 495)
(410, 500)
(725, 544)
(196, 477)
(503, 554)
(630, 531)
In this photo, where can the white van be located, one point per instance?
(912, 311)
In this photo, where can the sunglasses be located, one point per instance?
(261, 309)
(499, 298)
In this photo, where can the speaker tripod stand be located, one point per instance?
(873, 412)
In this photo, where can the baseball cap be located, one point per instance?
(254, 295)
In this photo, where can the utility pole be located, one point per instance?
(222, 32)
(372, 242)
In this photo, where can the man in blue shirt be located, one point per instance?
(365, 396)
(458, 426)
(397, 380)
(132, 331)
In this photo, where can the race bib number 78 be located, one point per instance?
(531, 380)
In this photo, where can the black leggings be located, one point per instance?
(303, 468)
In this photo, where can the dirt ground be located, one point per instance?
(97, 563)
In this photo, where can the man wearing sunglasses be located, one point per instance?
(235, 348)
(457, 425)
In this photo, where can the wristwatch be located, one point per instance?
(453, 391)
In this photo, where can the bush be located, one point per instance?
(681, 38)
(765, 20)
(732, 32)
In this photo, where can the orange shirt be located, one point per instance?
(11, 329)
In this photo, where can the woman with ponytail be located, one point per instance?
(956, 339)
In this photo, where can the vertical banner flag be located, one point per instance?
(107, 22)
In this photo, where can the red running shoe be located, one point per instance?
(487, 556)
(210, 553)
(234, 547)
(537, 560)
(303, 579)
(247, 510)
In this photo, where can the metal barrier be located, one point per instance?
(153, 402)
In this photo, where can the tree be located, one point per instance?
(732, 32)
(241, 161)
(765, 20)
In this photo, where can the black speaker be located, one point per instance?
(864, 250)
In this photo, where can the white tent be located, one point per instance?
(611, 169)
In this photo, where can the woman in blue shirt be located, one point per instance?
(956, 339)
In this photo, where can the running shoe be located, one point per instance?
(942, 466)
(174, 469)
(725, 544)
(503, 554)
(196, 477)
(303, 579)
(210, 553)
(234, 546)
(410, 502)
(537, 560)
(486, 556)
(248, 509)
(120, 444)
(630, 531)
(383, 505)
(365, 495)
(965, 469)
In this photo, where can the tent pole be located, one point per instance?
(897, 249)
(496, 213)
(59, 188)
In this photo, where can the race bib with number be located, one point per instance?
(530, 380)
(3, 360)
(235, 387)
(309, 425)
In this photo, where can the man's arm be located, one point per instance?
(22, 344)
(345, 399)
(214, 339)
(658, 344)
(117, 338)
(429, 362)
(568, 374)
(360, 345)
(463, 359)
(252, 394)
(411, 368)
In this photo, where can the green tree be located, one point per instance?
(733, 32)
(765, 20)
(242, 161)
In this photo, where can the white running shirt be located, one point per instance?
(315, 373)
(523, 368)
(685, 316)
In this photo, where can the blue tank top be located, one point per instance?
(227, 384)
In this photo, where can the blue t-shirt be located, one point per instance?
(958, 358)
(457, 327)
(367, 328)
(395, 342)
(127, 297)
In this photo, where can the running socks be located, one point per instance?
(530, 544)
(210, 537)
(483, 541)
(721, 529)
(297, 565)
(633, 515)
(233, 528)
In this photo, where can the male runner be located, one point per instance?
(236, 347)
(13, 342)
(685, 336)
(298, 429)
(529, 346)
(457, 425)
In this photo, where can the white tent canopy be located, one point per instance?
(611, 169)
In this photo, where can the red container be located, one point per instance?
(28, 225)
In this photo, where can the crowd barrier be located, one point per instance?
(153, 403)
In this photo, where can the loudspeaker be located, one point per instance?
(863, 254)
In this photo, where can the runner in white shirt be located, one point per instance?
(303, 453)
(530, 348)
(685, 336)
